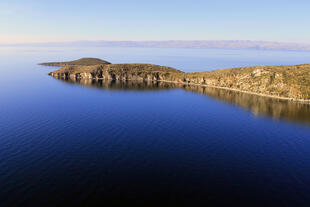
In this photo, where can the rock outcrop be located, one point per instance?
(140, 72)
(286, 82)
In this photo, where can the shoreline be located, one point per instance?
(241, 91)
(303, 101)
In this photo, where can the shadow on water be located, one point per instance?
(258, 105)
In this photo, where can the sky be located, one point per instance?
(140, 20)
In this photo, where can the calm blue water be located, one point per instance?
(77, 145)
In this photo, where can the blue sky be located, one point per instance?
(65, 20)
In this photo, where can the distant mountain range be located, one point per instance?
(219, 44)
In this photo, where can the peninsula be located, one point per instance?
(283, 82)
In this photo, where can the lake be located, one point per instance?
(93, 143)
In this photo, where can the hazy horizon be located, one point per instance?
(203, 44)
(32, 21)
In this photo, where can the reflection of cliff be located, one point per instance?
(258, 105)
(123, 85)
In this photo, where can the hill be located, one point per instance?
(82, 61)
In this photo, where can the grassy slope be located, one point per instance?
(285, 81)
(117, 68)
(82, 61)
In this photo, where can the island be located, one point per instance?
(282, 82)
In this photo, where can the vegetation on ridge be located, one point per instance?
(82, 61)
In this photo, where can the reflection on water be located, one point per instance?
(258, 105)
(123, 85)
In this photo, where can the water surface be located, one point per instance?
(105, 143)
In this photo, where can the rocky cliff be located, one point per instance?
(286, 82)
(145, 72)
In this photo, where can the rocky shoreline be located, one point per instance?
(281, 82)
(241, 91)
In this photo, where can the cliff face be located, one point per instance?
(289, 82)
(145, 72)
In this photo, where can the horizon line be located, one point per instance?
(220, 44)
(166, 40)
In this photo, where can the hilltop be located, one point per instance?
(82, 61)
(285, 82)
